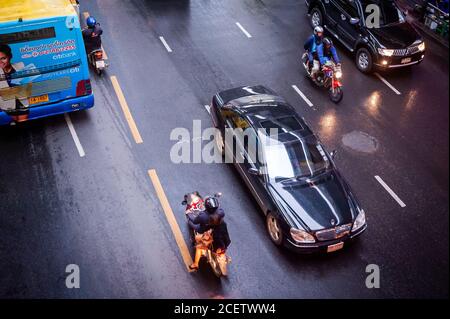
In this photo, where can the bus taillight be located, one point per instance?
(84, 87)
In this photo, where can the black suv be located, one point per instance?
(390, 43)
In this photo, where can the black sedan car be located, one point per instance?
(307, 203)
(385, 43)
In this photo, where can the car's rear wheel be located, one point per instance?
(364, 60)
(316, 17)
(274, 229)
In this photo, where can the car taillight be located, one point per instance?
(84, 87)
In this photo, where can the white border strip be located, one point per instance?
(387, 83)
(303, 96)
(74, 135)
(165, 44)
(243, 30)
(390, 191)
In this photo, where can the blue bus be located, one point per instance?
(43, 65)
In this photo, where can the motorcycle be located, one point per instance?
(97, 61)
(217, 259)
(328, 77)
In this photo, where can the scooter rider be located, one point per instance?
(92, 35)
(210, 219)
(311, 47)
(327, 52)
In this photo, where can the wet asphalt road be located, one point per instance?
(101, 211)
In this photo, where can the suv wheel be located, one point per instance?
(364, 60)
(316, 17)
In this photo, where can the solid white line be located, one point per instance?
(208, 108)
(303, 96)
(390, 191)
(74, 135)
(388, 84)
(165, 44)
(243, 30)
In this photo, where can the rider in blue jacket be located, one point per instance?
(312, 43)
(327, 52)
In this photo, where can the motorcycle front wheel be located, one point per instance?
(336, 94)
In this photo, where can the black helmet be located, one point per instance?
(211, 204)
(327, 42)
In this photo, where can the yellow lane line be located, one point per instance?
(126, 111)
(86, 15)
(171, 219)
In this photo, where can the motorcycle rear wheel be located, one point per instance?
(336, 95)
(214, 264)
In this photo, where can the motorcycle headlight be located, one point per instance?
(301, 236)
(360, 220)
(422, 46)
(338, 74)
(386, 52)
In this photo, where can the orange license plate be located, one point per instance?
(38, 99)
(335, 247)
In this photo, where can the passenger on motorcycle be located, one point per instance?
(327, 52)
(311, 47)
(92, 35)
(207, 223)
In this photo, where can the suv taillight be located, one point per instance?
(84, 87)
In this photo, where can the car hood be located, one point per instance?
(322, 203)
(396, 36)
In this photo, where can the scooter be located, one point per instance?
(97, 61)
(217, 259)
(328, 78)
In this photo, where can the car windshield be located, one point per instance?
(389, 12)
(294, 159)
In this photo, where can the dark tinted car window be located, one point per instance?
(389, 13)
(349, 7)
(283, 125)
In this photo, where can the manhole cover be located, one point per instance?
(360, 142)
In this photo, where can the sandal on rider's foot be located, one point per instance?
(193, 268)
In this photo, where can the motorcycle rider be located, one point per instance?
(327, 52)
(210, 219)
(310, 47)
(92, 36)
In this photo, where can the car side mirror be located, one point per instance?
(184, 203)
(254, 171)
(354, 21)
(218, 195)
(333, 154)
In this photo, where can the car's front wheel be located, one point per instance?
(364, 60)
(274, 229)
(316, 17)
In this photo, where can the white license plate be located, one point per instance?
(406, 60)
(335, 247)
(100, 64)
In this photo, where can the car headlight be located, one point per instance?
(301, 236)
(338, 74)
(422, 46)
(386, 52)
(360, 220)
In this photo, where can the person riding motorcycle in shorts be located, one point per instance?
(310, 47)
(210, 220)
